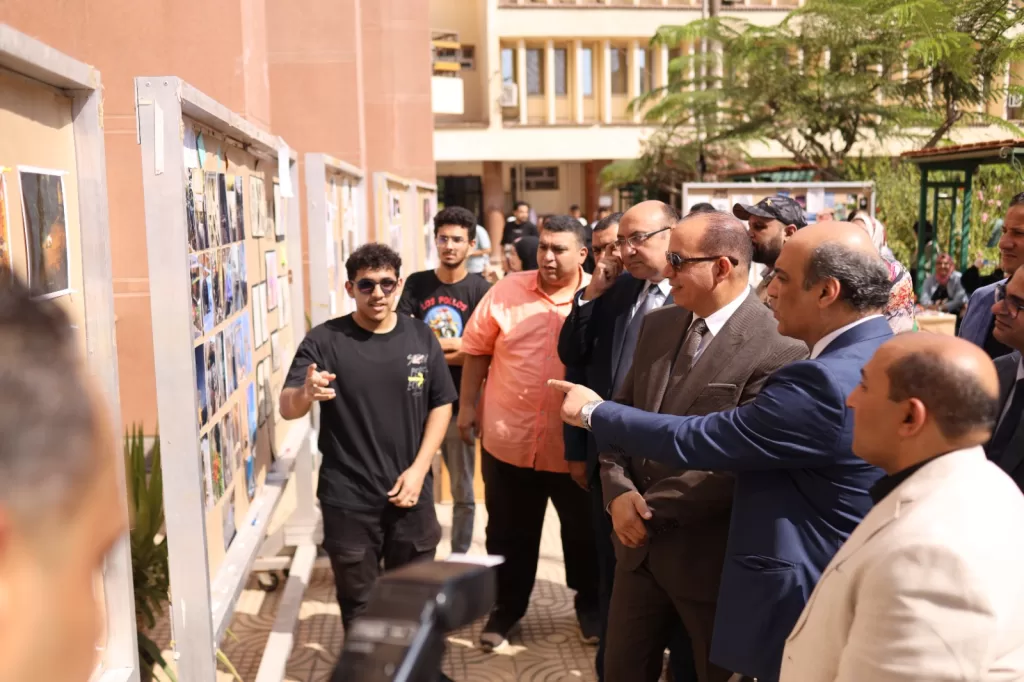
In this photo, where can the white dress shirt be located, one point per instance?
(716, 321)
(664, 289)
(824, 341)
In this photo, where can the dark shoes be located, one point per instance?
(496, 632)
(590, 627)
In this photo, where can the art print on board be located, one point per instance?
(196, 277)
(232, 204)
(268, 396)
(222, 384)
(46, 236)
(275, 351)
(279, 215)
(257, 207)
(271, 273)
(253, 419)
(228, 255)
(216, 464)
(204, 454)
(5, 227)
(202, 397)
(218, 262)
(236, 278)
(229, 523)
(225, 209)
(261, 394)
(227, 454)
(194, 189)
(273, 197)
(207, 292)
(212, 208)
(240, 206)
(228, 340)
(190, 214)
(212, 373)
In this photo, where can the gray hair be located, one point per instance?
(48, 421)
(724, 235)
(863, 278)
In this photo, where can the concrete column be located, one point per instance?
(692, 49)
(549, 79)
(494, 204)
(606, 81)
(577, 82)
(591, 187)
(521, 79)
(663, 66)
(633, 74)
(491, 67)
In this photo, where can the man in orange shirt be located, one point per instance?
(512, 341)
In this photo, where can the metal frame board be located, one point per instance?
(200, 608)
(868, 186)
(29, 57)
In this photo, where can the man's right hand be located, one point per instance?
(628, 512)
(316, 387)
(578, 472)
(467, 423)
(606, 271)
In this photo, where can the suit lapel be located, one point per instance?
(664, 354)
(621, 321)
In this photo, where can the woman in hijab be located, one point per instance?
(900, 310)
(524, 254)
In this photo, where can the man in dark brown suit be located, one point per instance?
(671, 525)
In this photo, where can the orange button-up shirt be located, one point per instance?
(517, 324)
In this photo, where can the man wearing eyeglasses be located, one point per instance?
(772, 221)
(711, 352)
(1006, 447)
(596, 345)
(385, 397)
(445, 298)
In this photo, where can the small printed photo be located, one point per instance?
(240, 432)
(212, 377)
(42, 195)
(245, 344)
(207, 292)
(229, 523)
(225, 207)
(268, 394)
(194, 189)
(218, 258)
(261, 391)
(228, 253)
(240, 207)
(251, 404)
(227, 453)
(204, 453)
(212, 208)
(250, 476)
(196, 274)
(222, 392)
(242, 278)
(275, 351)
(202, 399)
(216, 465)
(271, 262)
(232, 205)
(257, 207)
(190, 215)
(230, 380)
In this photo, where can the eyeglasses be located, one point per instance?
(637, 239)
(677, 262)
(366, 286)
(444, 239)
(1012, 303)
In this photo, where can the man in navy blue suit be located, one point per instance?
(596, 346)
(800, 491)
(979, 321)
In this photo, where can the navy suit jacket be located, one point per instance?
(589, 347)
(978, 318)
(800, 490)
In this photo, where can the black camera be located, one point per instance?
(401, 635)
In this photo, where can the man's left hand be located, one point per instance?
(576, 396)
(406, 492)
(451, 345)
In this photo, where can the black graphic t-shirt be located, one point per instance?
(386, 386)
(445, 308)
(514, 231)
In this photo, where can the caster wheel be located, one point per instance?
(268, 582)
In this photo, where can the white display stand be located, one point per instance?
(723, 195)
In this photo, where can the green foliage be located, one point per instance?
(667, 161)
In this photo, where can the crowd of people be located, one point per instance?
(759, 475)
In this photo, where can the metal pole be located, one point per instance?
(965, 229)
(922, 212)
(952, 221)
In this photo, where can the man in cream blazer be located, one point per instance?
(929, 586)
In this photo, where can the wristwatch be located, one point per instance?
(586, 411)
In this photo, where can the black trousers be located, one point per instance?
(362, 545)
(516, 500)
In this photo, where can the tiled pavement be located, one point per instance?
(546, 649)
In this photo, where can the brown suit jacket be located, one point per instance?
(691, 508)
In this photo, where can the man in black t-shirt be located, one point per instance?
(445, 298)
(380, 425)
(519, 225)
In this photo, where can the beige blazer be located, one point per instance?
(929, 587)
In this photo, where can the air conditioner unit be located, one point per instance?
(509, 95)
(1014, 101)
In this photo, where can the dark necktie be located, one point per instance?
(1008, 425)
(691, 344)
(644, 305)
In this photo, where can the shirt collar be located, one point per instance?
(1020, 369)
(824, 341)
(664, 286)
(716, 320)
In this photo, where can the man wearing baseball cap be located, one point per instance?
(772, 221)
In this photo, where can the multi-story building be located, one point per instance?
(531, 97)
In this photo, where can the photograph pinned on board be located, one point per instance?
(261, 394)
(190, 215)
(207, 293)
(280, 219)
(268, 395)
(216, 465)
(219, 304)
(239, 286)
(227, 453)
(254, 422)
(271, 214)
(46, 237)
(241, 433)
(5, 227)
(271, 263)
(232, 204)
(194, 190)
(228, 340)
(229, 522)
(212, 387)
(225, 209)
(285, 296)
(250, 476)
(257, 318)
(222, 383)
(264, 324)
(202, 399)
(196, 277)
(212, 208)
(275, 351)
(229, 254)
(204, 454)
(257, 207)
(245, 343)
(240, 206)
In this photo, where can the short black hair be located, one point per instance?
(607, 221)
(49, 426)
(457, 216)
(565, 223)
(373, 256)
(574, 207)
(702, 207)
(863, 278)
(518, 204)
(954, 396)
(725, 235)
(1017, 200)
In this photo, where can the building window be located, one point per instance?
(587, 71)
(561, 71)
(620, 78)
(540, 178)
(1014, 107)
(468, 59)
(508, 65)
(644, 75)
(534, 71)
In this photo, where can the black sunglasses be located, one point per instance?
(366, 286)
(677, 262)
(1012, 303)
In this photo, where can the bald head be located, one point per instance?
(720, 234)
(643, 238)
(648, 216)
(844, 252)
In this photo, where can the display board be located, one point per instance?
(336, 225)
(219, 197)
(54, 233)
(842, 197)
(401, 208)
